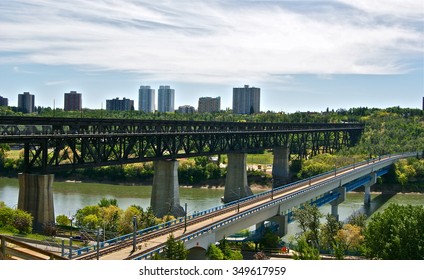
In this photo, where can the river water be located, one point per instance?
(69, 197)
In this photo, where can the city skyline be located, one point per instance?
(304, 55)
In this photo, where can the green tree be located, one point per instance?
(357, 219)
(349, 238)
(126, 220)
(269, 239)
(93, 211)
(329, 231)
(4, 148)
(229, 253)
(63, 220)
(305, 250)
(214, 253)
(110, 216)
(174, 249)
(6, 216)
(308, 218)
(104, 202)
(396, 234)
(90, 221)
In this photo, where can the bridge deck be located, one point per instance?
(152, 244)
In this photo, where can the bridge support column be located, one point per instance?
(165, 197)
(283, 223)
(280, 166)
(367, 195)
(236, 185)
(36, 197)
(335, 204)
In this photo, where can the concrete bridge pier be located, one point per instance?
(236, 185)
(280, 166)
(367, 195)
(283, 223)
(165, 197)
(36, 197)
(335, 204)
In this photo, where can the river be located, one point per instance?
(69, 197)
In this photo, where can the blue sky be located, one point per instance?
(304, 55)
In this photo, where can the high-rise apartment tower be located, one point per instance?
(246, 100)
(4, 101)
(146, 99)
(26, 102)
(120, 105)
(209, 104)
(73, 101)
(166, 99)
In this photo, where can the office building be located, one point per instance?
(246, 100)
(4, 101)
(209, 104)
(73, 101)
(186, 109)
(146, 99)
(119, 105)
(166, 97)
(26, 103)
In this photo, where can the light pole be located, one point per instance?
(71, 218)
(135, 231)
(185, 217)
(98, 243)
(238, 201)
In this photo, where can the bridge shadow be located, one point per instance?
(376, 203)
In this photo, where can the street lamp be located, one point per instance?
(135, 231)
(238, 201)
(185, 217)
(71, 218)
(98, 243)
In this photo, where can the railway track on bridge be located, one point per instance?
(221, 215)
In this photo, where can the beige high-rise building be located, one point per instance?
(209, 104)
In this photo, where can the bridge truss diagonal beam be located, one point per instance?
(52, 144)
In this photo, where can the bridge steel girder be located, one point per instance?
(81, 143)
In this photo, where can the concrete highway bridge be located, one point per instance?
(55, 144)
(200, 230)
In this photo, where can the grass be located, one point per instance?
(40, 237)
(265, 158)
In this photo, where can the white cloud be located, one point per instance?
(209, 41)
(405, 9)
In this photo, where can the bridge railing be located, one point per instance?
(268, 193)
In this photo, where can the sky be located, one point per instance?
(304, 55)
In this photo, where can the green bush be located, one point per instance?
(15, 220)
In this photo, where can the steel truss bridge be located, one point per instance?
(53, 144)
